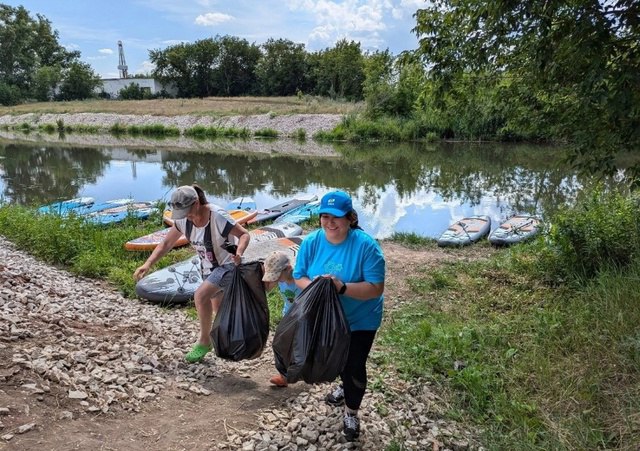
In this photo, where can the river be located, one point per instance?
(413, 188)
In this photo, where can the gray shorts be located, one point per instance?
(221, 275)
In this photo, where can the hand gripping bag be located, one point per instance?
(311, 343)
(241, 326)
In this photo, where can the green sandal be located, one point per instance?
(197, 353)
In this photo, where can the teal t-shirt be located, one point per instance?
(288, 291)
(358, 258)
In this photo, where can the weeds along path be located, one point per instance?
(83, 368)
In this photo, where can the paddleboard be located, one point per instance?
(139, 210)
(300, 214)
(176, 284)
(63, 207)
(242, 203)
(465, 231)
(277, 210)
(516, 229)
(150, 241)
(241, 216)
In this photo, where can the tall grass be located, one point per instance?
(86, 249)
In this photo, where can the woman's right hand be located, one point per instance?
(140, 272)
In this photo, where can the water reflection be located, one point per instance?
(405, 188)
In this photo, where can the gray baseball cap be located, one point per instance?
(181, 201)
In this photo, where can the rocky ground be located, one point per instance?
(81, 367)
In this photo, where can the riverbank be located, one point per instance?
(84, 367)
(284, 125)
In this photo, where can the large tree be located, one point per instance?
(282, 69)
(338, 71)
(26, 45)
(571, 67)
(79, 82)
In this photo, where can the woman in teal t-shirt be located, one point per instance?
(342, 251)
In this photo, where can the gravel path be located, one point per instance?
(97, 353)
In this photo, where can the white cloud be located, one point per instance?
(210, 19)
(146, 67)
(71, 47)
(407, 8)
(356, 20)
(174, 41)
(95, 58)
(106, 51)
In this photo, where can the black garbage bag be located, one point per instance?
(311, 343)
(241, 327)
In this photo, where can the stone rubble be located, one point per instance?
(285, 124)
(108, 354)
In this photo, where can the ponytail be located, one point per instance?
(201, 197)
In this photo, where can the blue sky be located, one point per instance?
(95, 27)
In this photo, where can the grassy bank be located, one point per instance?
(538, 350)
(209, 106)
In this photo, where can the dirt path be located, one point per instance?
(176, 419)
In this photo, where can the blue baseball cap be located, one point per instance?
(336, 203)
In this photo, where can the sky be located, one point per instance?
(95, 27)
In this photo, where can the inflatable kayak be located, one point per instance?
(516, 229)
(465, 231)
(176, 284)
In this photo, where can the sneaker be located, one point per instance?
(351, 425)
(336, 397)
(279, 380)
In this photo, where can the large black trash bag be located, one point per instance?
(241, 326)
(311, 342)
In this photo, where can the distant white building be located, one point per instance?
(112, 86)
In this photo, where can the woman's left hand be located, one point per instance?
(336, 282)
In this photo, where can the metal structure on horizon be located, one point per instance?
(122, 64)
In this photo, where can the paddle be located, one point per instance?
(516, 230)
(464, 228)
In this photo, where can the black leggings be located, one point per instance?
(354, 375)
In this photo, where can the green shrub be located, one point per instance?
(266, 133)
(300, 134)
(118, 129)
(48, 128)
(9, 94)
(601, 232)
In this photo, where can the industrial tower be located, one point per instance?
(122, 64)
